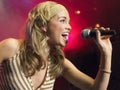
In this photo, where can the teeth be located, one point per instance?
(67, 37)
(65, 34)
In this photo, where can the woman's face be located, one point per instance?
(58, 29)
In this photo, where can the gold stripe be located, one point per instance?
(20, 76)
(14, 77)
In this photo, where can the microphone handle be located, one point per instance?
(102, 32)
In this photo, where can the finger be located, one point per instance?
(98, 35)
(107, 28)
(106, 37)
(102, 28)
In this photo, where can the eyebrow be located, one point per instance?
(64, 17)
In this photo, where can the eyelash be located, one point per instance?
(62, 20)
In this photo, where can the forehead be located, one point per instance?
(62, 14)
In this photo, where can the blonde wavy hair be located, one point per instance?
(33, 54)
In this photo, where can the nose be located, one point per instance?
(69, 26)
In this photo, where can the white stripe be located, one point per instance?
(50, 78)
(50, 82)
(13, 78)
(23, 82)
(47, 86)
(17, 73)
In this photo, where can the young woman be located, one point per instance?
(35, 62)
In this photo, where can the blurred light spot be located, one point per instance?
(95, 9)
(77, 12)
(97, 25)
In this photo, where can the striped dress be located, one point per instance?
(12, 78)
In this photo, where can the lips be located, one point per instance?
(65, 36)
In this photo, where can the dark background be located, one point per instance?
(83, 53)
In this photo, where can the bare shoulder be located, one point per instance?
(9, 44)
(9, 47)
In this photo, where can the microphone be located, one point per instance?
(91, 33)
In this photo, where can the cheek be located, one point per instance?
(55, 30)
(52, 33)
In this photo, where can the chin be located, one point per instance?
(63, 45)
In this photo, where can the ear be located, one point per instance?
(44, 28)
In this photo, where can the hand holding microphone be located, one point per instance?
(103, 42)
(91, 33)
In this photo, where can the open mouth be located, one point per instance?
(65, 36)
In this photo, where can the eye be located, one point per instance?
(63, 20)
